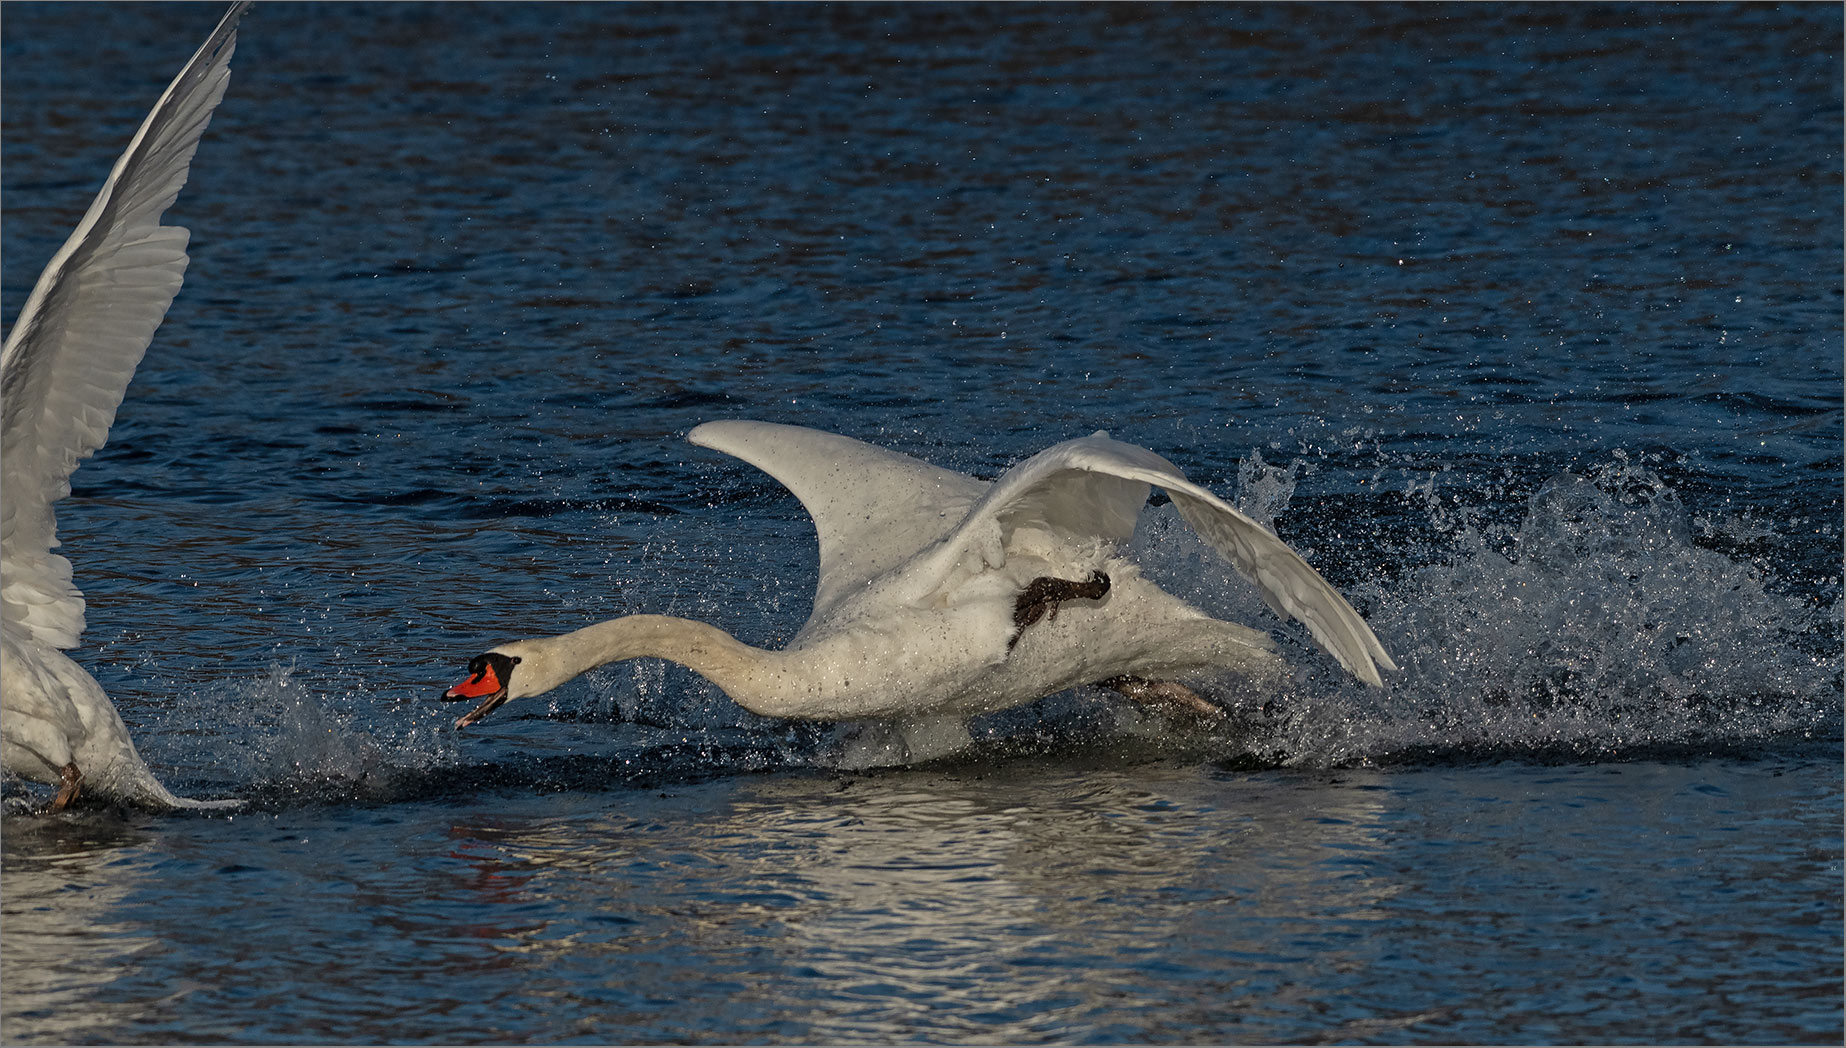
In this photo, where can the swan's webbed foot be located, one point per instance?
(70, 781)
(1044, 594)
(1165, 695)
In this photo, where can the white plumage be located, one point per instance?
(64, 369)
(925, 607)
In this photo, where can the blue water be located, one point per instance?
(1523, 324)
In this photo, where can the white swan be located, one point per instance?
(941, 595)
(63, 371)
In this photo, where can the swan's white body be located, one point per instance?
(63, 372)
(921, 574)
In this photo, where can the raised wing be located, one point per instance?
(872, 508)
(82, 332)
(1097, 486)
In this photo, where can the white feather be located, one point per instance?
(920, 609)
(64, 369)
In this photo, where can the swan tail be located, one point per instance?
(194, 804)
(147, 791)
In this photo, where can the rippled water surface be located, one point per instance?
(1522, 323)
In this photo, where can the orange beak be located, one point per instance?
(486, 683)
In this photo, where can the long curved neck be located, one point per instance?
(745, 673)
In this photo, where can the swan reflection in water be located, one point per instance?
(64, 947)
(986, 902)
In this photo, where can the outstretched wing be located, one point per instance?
(1097, 486)
(82, 332)
(873, 509)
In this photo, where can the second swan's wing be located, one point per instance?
(83, 331)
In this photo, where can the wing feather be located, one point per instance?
(82, 332)
(1095, 486)
(876, 509)
(873, 508)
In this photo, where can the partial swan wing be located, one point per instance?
(68, 359)
(1097, 486)
(872, 508)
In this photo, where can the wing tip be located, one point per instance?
(713, 434)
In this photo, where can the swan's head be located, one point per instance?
(490, 682)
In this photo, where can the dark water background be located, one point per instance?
(1523, 322)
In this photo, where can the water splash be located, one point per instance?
(1594, 627)
(1598, 621)
(279, 737)
(1264, 490)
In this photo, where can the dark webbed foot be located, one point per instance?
(1044, 594)
(1165, 695)
(70, 781)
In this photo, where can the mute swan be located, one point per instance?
(943, 596)
(63, 371)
